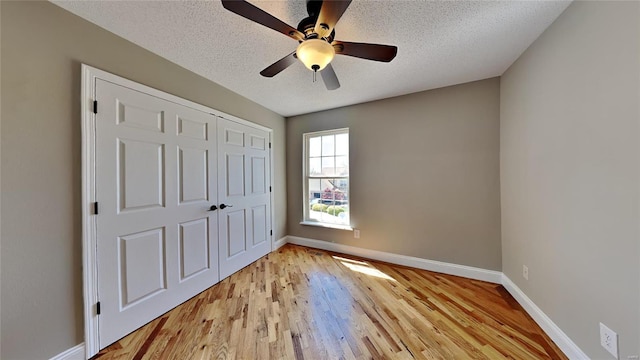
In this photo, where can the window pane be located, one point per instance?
(315, 191)
(342, 165)
(341, 187)
(333, 205)
(328, 145)
(328, 166)
(342, 144)
(315, 167)
(315, 146)
(327, 191)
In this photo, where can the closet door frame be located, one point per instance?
(89, 229)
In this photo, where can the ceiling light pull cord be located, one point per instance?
(315, 69)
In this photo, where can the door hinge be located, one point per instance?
(271, 232)
(269, 145)
(95, 106)
(98, 308)
(95, 208)
(269, 188)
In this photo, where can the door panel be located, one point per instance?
(142, 265)
(194, 247)
(259, 224)
(236, 225)
(258, 175)
(141, 174)
(193, 129)
(193, 168)
(233, 137)
(258, 142)
(244, 160)
(234, 175)
(157, 245)
(141, 116)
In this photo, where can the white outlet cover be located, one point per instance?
(356, 233)
(609, 340)
(525, 272)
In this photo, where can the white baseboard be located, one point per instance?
(556, 334)
(279, 243)
(424, 264)
(75, 353)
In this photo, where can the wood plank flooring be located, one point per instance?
(302, 303)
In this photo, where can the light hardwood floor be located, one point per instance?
(300, 303)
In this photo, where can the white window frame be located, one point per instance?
(305, 179)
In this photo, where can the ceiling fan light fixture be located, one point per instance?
(315, 54)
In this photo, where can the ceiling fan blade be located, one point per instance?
(330, 13)
(330, 78)
(374, 52)
(253, 13)
(275, 68)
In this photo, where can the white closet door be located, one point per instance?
(244, 195)
(157, 243)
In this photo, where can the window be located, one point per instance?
(326, 178)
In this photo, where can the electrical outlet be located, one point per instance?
(525, 272)
(609, 340)
(356, 233)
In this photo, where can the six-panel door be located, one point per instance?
(156, 179)
(243, 162)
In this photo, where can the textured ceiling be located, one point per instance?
(440, 43)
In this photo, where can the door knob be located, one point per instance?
(213, 208)
(222, 206)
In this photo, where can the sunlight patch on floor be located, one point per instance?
(363, 267)
(350, 260)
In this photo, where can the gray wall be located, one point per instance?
(42, 48)
(0, 179)
(424, 174)
(569, 173)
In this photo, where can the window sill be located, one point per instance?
(325, 225)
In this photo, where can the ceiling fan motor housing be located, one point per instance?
(307, 27)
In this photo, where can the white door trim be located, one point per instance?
(89, 229)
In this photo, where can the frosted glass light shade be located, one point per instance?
(315, 52)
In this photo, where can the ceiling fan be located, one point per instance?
(315, 35)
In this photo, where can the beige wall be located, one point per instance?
(0, 179)
(570, 173)
(42, 48)
(424, 174)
